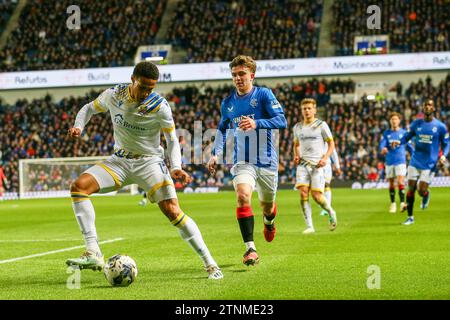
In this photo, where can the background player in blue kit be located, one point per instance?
(395, 160)
(250, 114)
(429, 133)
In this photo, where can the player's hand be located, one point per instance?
(182, 176)
(247, 123)
(442, 160)
(322, 162)
(395, 144)
(384, 151)
(212, 165)
(297, 160)
(74, 132)
(338, 171)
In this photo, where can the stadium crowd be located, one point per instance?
(6, 9)
(412, 26)
(109, 34)
(37, 128)
(215, 30)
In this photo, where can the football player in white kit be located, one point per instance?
(138, 115)
(310, 136)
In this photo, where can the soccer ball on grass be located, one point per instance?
(120, 270)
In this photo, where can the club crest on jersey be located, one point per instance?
(254, 103)
(434, 129)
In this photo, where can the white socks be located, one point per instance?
(85, 215)
(307, 212)
(191, 234)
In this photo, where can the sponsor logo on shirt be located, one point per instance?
(275, 104)
(119, 120)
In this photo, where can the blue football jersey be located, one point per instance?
(252, 146)
(428, 137)
(395, 156)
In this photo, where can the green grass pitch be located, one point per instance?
(413, 261)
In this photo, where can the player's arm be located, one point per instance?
(383, 148)
(276, 119)
(335, 160)
(409, 147)
(408, 136)
(445, 145)
(296, 150)
(328, 138)
(173, 145)
(219, 142)
(85, 114)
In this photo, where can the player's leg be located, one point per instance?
(306, 208)
(317, 188)
(144, 200)
(188, 229)
(390, 176)
(413, 175)
(328, 173)
(327, 195)
(302, 183)
(156, 179)
(401, 192)
(423, 187)
(393, 206)
(266, 185)
(244, 181)
(103, 177)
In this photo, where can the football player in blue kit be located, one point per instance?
(429, 134)
(250, 114)
(395, 160)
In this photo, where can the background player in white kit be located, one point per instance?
(310, 136)
(138, 115)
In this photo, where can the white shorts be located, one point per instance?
(395, 171)
(423, 175)
(265, 180)
(310, 177)
(328, 173)
(152, 176)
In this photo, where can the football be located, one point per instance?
(120, 270)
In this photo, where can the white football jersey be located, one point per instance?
(136, 125)
(312, 139)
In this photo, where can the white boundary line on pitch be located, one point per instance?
(55, 251)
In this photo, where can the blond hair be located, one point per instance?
(245, 61)
(308, 100)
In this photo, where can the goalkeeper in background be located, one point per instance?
(138, 115)
(310, 137)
